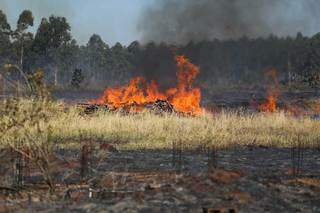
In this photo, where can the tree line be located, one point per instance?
(66, 63)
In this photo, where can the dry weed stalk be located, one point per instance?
(25, 129)
(297, 156)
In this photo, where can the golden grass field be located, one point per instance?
(67, 126)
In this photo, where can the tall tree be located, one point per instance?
(21, 35)
(5, 43)
(97, 57)
(120, 64)
(21, 39)
(52, 37)
(312, 63)
(5, 46)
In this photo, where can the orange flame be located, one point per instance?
(183, 97)
(270, 105)
(273, 93)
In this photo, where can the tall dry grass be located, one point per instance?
(149, 131)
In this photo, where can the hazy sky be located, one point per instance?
(129, 20)
(113, 20)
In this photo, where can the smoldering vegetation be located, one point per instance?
(181, 21)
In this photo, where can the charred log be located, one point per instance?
(158, 107)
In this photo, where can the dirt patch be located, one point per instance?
(224, 176)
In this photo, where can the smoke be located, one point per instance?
(180, 21)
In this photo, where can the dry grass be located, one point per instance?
(149, 131)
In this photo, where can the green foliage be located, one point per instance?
(53, 47)
(309, 63)
(20, 35)
(5, 46)
(52, 34)
(96, 43)
(4, 25)
(25, 20)
(77, 78)
(21, 40)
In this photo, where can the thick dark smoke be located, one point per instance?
(179, 21)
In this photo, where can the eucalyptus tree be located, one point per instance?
(14, 43)
(21, 36)
(97, 57)
(52, 38)
(5, 43)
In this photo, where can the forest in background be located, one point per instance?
(96, 64)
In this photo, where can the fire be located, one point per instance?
(270, 105)
(183, 97)
(273, 93)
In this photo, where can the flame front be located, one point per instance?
(183, 97)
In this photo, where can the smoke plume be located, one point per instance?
(180, 21)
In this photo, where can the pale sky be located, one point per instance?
(113, 20)
(117, 20)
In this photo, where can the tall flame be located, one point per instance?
(273, 93)
(183, 97)
(270, 105)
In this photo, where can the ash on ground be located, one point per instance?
(244, 179)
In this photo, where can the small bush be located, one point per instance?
(25, 128)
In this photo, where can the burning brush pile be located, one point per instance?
(140, 95)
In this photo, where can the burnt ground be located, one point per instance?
(297, 102)
(246, 179)
(243, 97)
